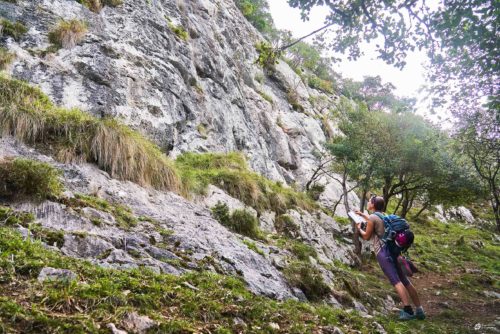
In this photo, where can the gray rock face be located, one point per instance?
(202, 94)
(195, 234)
(52, 274)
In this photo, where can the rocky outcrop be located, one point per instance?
(174, 235)
(200, 94)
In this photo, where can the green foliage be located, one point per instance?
(73, 136)
(13, 29)
(323, 85)
(221, 213)
(6, 58)
(251, 245)
(240, 221)
(230, 172)
(67, 34)
(268, 56)
(308, 278)
(179, 31)
(459, 38)
(28, 178)
(257, 13)
(108, 294)
(9, 217)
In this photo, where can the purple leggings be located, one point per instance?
(390, 267)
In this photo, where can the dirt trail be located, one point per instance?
(443, 298)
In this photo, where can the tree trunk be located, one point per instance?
(337, 204)
(406, 202)
(363, 200)
(426, 204)
(397, 206)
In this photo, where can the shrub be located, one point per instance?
(13, 29)
(240, 221)
(28, 178)
(6, 58)
(243, 222)
(257, 13)
(221, 213)
(67, 34)
(307, 278)
(268, 56)
(73, 136)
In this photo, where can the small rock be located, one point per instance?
(239, 322)
(274, 326)
(137, 323)
(477, 326)
(492, 294)
(360, 307)
(53, 274)
(378, 328)
(438, 293)
(115, 330)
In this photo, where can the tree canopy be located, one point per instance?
(459, 36)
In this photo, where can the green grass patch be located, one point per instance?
(123, 215)
(445, 247)
(251, 245)
(179, 31)
(230, 173)
(108, 294)
(308, 278)
(24, 178)
(13, 29)
(74, 136)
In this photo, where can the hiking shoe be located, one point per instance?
(420, 314)
(404, 316)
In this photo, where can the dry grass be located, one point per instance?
(6, 58)
(97, 5)
(74, 136)
(67, 34)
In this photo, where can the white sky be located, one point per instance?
(407, 81)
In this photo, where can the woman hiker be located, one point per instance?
(375, 230)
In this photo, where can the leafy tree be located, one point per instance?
(460, 37)
(479, 139)
(257, 13)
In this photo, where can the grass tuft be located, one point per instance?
(308, 278)
(240, 221)
(20, 178)
(13, 29)
(67, 34)
(230, 172)
(97, 5)
(6, 58)
(75, 136)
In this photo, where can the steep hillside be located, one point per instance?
(152, 177)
